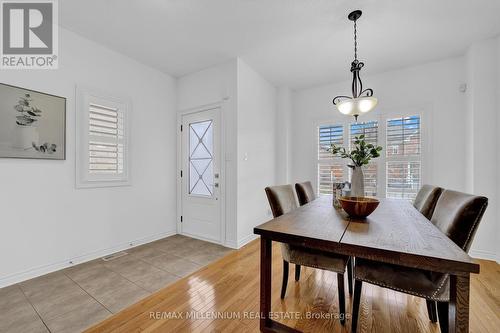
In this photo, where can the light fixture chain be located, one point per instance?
(355, 41)
(362, 100)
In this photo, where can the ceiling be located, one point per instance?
(298, 43)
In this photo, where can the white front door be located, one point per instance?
(201, 161)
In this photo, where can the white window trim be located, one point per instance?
(425, 113)
(375, 161)
(332, 160)
(406, 158)
(84, 96)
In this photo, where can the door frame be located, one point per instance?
(222, 180)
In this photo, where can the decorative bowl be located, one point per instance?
(358, 207)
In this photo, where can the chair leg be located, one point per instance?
(297, 272)
(285, 279)
(350, 270)
(431, 310)
(358, 284)
(442, 309)
(340, 283)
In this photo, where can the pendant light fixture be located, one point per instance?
(362, 101)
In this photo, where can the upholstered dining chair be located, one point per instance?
(425, 202)
(282, 200)
(426, 199)
(305, 194)
(457, 215)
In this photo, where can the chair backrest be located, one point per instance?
(281, 199)
(458, 215)
(305, 192)
(426, 200)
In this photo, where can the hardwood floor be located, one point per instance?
(230, 288)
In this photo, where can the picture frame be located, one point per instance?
(32, 124)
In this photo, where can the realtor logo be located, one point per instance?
(29, 34)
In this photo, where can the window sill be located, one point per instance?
(101, 184)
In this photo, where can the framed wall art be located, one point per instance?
(32, 124)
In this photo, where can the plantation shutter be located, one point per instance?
(102, 139)
(370, 131)
(106, 140)
(403, 157)
(330, 168)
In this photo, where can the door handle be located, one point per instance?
(216, 184)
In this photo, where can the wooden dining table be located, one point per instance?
(394, 233)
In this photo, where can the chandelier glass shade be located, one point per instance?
(356, 106)
(362, 100)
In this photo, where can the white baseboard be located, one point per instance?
(200, 238)
(228, 243)
(231, 244)
(45, 269)
(247, 239)
(241, 242)
(480, 254)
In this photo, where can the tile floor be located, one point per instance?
(75, 298)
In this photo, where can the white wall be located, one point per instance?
(46, 222)
(213, 85)
(257, 102)
(498, 153)
(283, 135)
(483, 62)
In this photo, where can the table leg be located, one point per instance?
(458, 314)
(265, 282)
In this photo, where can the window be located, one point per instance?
(395, 174)
(330, 168)
(201, 175)
(403, 155)
(102, 140)
(370, 131)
